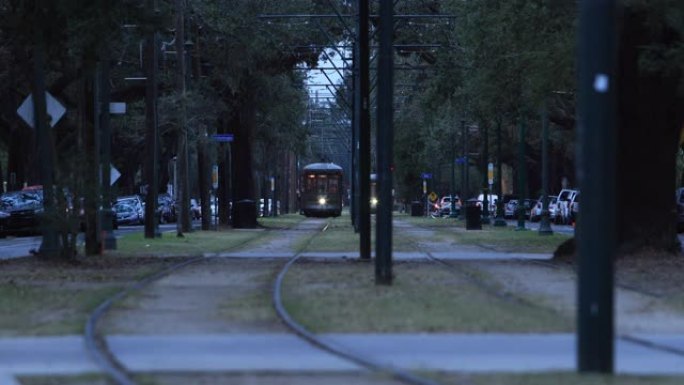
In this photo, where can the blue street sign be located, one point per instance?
(460, 160)
(222, 137)
(426, 175)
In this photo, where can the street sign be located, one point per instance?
(460, 160)
(117, 108)
(114, 175)
(55, 110)
(432, 196)
(426, 175)
(222, 137)
(490, 173)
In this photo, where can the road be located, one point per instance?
(17, 247)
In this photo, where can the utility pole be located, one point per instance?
(521, 175)
(499, 221)
(183, 224)
(49, 246)
(545, 225)
(364, 133)
(107, 215)
(152, 134)
(485, 182)
(596, 228)
(385, 139)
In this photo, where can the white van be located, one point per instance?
(492, 198)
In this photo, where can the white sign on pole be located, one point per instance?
(114, 174)
(55, 110)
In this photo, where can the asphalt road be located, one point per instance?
(16, 247)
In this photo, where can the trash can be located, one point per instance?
(416, 209)
(473, 214)
(245, 214)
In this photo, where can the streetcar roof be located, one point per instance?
(322, 167)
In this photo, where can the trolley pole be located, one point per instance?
(364, 134)
(385, 138)
(596, 228)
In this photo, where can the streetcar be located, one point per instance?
(321, 190)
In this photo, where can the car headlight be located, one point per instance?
(374, 201)
(321, 201)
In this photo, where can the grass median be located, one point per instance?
(425, 297)
(39, 297)
(504, 239)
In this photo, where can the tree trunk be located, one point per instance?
(651, 113)
(243, 173)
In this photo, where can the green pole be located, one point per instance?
(499, 221)
(522, 182)
(151, 134)
(596, 228)
(485, 184)
(545, 225)
(385, 138)
(49, 246)
(364, 134)
(107, 215)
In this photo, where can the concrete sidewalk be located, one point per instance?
(288, 353)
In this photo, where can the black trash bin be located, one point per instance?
(245, 214)
(416, 209)
(473, 215)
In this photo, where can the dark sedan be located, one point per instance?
(20, 212)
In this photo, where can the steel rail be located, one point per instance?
(398, 374)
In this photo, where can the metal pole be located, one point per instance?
(463, 196)
(596, 229)
(152, 134)
(107, 215)
(521, 175)
(545, 225)
(485, 188)
(385, 138)
(452, 208)
(356, 114)
(49, 246)
(499, 221)
(364, 134)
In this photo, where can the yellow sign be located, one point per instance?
(432, 196)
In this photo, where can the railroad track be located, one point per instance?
(98, 348)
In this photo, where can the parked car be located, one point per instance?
(563, 205)
(136, 202)
(195, 209)
(535, 214)
(127, 214)
(510, 208)
(166, 208)
(20, 212)
(444, 205)
(574, 208)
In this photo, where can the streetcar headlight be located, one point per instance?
(374, 201)
(321, 201)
